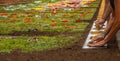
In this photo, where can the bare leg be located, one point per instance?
(111, 34)
(110, 23)
(115, 26)
(106, 13)
(101, 36)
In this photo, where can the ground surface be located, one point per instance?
(69, 53)
(44, 22)
(73, 52)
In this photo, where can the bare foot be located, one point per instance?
(97, 44)
(96, 38)
(100, 22)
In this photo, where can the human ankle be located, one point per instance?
(104, 33)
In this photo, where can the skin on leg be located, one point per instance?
(107, 29)
(115, 27)
(101, 37)
(107, 9)
(111, 34)
(106, 13)
(110, 22)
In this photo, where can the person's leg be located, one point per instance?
(115, 27)
(111, 34)
(100, 37)
(106, 13)
(109, 24)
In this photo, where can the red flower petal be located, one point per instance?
(27, 20)
(53, 25)
(64, 20)
(3, 14)
(66, 26)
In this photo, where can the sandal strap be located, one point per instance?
(104, 33)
